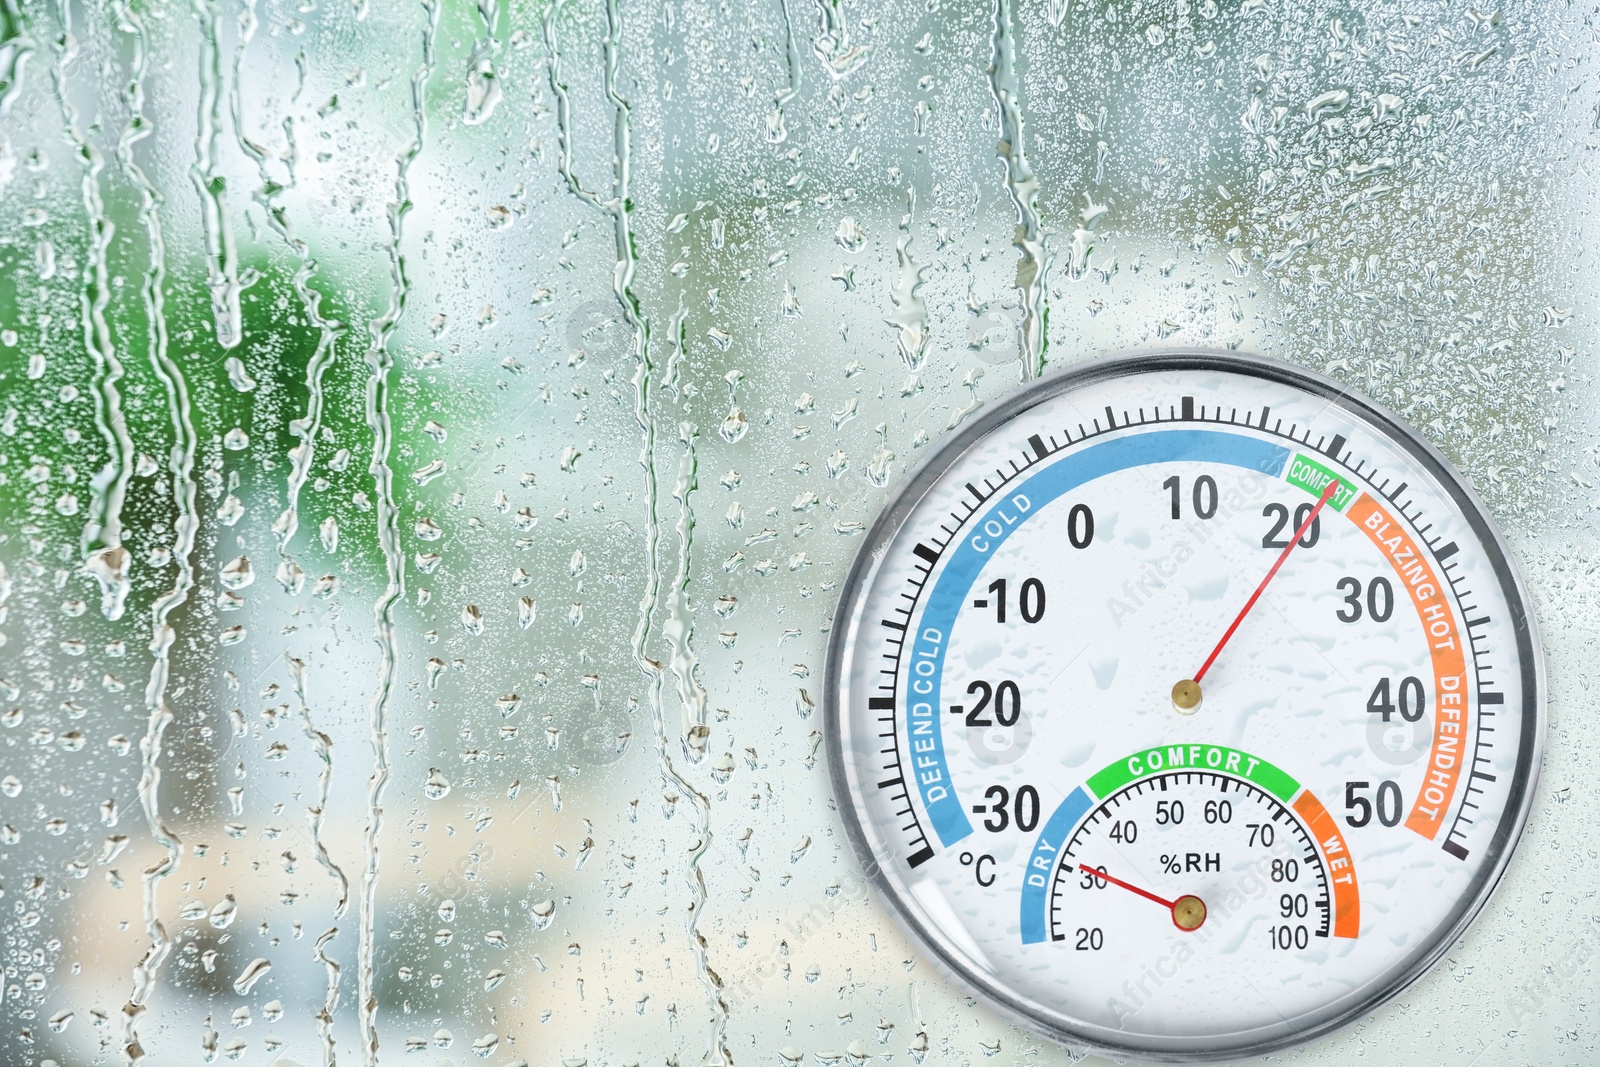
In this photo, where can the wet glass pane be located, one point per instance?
(432, 438)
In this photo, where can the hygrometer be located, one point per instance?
(1185, 706)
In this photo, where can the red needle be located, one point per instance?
(1188, 912)
(1103, 876)
(1327, 495)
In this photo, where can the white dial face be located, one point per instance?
(1144, 767)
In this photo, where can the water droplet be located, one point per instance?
(108, 567)
(252, 974)
(777, 132)
(734, 426)
(472, 619)
(427, 473)
(291, 577)
(237, 573)
(435, 788)
(850, 235)
(222, 915)
(1328, 103)
(483, 92)
(230, 511)
(238, 377)
(236, 440)
(543, 914)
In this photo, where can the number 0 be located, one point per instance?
(1032, 600)
(1080, 526)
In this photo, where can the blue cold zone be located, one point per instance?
(1046, 851)
(923, 724)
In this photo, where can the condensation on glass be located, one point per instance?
(432, 436)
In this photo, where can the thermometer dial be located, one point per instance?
(1185, 707)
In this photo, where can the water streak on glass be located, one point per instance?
(380, 364)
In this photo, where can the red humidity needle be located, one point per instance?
(1103, 876)
(1188, 912)
(1327, 495)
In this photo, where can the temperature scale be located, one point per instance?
(1186, 706)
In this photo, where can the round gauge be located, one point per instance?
(1184, 707)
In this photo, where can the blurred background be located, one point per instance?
(432, 436)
